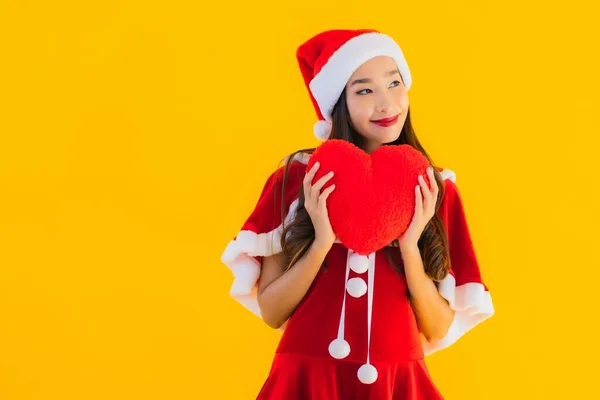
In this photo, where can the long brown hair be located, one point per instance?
(298, 235)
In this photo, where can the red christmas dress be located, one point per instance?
(354, 335)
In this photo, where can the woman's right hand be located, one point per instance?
(315, 203)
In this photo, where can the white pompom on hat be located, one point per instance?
(329, 59)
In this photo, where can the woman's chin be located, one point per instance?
(381, 135)
(387, 135)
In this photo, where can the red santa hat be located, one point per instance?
(328, 59)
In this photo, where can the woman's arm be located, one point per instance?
(279, 293)
(433, 312)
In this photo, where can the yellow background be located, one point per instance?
(136, 137)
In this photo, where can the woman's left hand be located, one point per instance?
(426, 199)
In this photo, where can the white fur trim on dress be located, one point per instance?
(448, 174)
(238, 256)
(327, 86)
(301, 157)
(472, 305)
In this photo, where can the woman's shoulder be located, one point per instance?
(447, 174)
(292, 168)
(287, 178)
(298, 158)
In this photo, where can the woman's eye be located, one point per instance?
(395, 83)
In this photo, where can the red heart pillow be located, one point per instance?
(374, 198)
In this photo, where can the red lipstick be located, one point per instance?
(387, 121)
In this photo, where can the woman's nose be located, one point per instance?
(384, 103)
(384, 108)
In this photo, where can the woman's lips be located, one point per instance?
(387, 121)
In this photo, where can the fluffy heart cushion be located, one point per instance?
(374, 198)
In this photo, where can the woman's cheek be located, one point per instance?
(361, 111)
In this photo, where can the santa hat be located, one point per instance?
(328, 59)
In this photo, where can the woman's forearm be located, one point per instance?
(280, 298)
(433, 312)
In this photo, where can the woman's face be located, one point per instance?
(376, 91)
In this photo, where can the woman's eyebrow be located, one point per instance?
(367, 80)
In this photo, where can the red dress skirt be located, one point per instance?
(303, 367)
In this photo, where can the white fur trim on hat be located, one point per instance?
(322, 129)
(327, 86)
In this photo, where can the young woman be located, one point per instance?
(348, 332)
